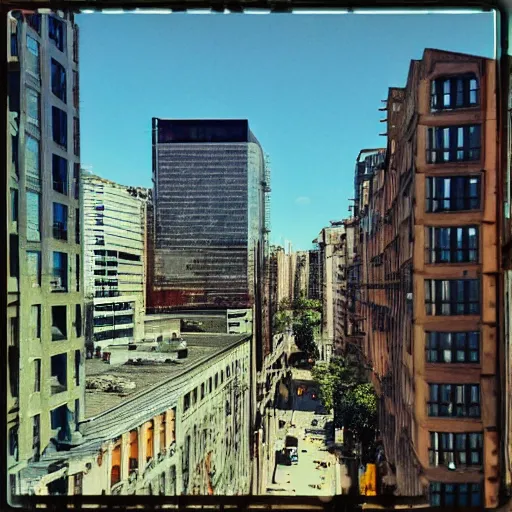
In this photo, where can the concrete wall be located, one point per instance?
(32, 396)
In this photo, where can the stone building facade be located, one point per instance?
(180, 430)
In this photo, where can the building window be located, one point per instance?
(60, 221)
(13, 442)
(216, 380)
(59, 80)
(452, 297)
(453, 144)
(186, 402)
(36, 436)
(78, 320)
(59, 365)
(76, 181)
(36, 321)
(115, 472)
(210, 387)
(453, 193)
(14, 367)
(59, 420)
(15, 154)
(34, 22)
(162, 439)
(202, 391)
(37, 375)
(60, 174)
(75, 43)
(452, 245)
(451, 93)
(14, 260)
(14, 205)
(172, 414)
(14, 44)
(150, 432)
(60, 127)
(76, 90)
(59, 323)
(76, 136)
(60, 272)
(455, 495)
(77, 272)
(134, 450)
(33, 217)
(34, 267)
(32, 57)
(33, 109)
(453, 347)
(77, 366)
(32, 162)
(460, 449)
(56, 32)
(454, 400)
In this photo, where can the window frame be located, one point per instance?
(452, 404)
(438, 202)
(60, 127)
(458, 448)
(65, 260)
(32, 94)
(438, 251)
(439, 343)
(59, 80)
(438, 92)
(473, 488)
(59, 40)
(59, 170)
(436, 304)
(35, 60)
(444, 144)
(60, 227)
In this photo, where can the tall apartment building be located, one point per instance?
(366, 162)
(315, 275)
(329, 242)
(343, 297)
(45, 308)
(428, 242)
(114, 220)
(210, 184)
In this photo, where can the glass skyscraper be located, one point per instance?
(209, 214)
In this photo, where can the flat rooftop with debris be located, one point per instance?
(134, 372)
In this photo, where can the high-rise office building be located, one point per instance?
(209, 214)
(114, 261)
(45, 306)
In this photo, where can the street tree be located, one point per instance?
(344, 388)
(303, 331)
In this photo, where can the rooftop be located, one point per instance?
(147, 369)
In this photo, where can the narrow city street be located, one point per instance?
(315, 472)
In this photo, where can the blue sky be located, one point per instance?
(310, 86)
